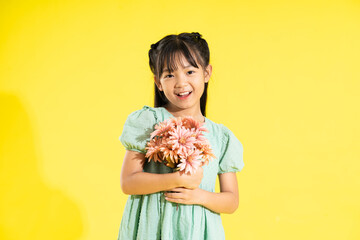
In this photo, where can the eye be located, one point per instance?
(169, 76)
(191, 72)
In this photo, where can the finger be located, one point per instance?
(177, 190)
(173, 195)
(175, 200)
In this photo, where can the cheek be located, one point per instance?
(167, 88)
(201, 87)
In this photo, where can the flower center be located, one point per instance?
(182, 140)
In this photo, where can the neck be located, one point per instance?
(179, 112)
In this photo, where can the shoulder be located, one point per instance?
(137, 129)
(144, 111)
(229, 135)
(219, 130)
(230, 140)
(226, 131)
(145, 115)
(224, 135)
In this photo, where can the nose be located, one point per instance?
(181, 81)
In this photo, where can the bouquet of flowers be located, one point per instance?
(180, 144)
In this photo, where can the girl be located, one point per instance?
(172, 205)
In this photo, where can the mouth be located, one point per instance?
(184, 95)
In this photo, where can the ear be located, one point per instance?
(208, 72)
(158, 84)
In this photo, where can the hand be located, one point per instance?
(190, 181)
(185, 196)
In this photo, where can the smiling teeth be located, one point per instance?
(184, 93)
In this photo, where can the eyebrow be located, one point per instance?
(187, 66)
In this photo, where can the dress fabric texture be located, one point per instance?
(150, 216)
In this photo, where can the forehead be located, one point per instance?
(176, 60)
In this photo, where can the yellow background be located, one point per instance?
(286, 81)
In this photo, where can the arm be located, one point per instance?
(226, 201)
(134, 181)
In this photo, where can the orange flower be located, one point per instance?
(153, 150)
(191, 123)
(162, 128)
(180, 144)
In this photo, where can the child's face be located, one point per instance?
(187, 81)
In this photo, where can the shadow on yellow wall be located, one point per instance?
(29, 209)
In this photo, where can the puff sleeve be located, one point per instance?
(231, 159)
(137, 129)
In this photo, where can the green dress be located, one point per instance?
(150, 216)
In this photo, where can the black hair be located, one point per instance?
(192, 46)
